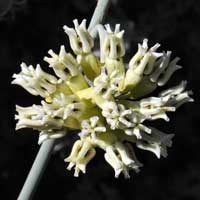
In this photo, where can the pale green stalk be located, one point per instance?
(37, 170)
(99, 13)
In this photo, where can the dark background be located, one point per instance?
(29, 28)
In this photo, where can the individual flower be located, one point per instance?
(36, 117)
(35, 81)
(82, 153)
(148, 69)
(80, 39)
(156, 142)
(105, 102)
(122, 158)
(91, 127)
(82, 43)
(107, 85)
(177, 95)
(124, 119)
(66, 68)
(113, 46)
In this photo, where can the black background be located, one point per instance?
(28, 29)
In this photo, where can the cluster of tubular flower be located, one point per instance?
(101, 98)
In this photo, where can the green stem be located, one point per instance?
(47, 147)
(37, 170)
(99, 13)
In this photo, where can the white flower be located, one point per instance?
(144, 60)
(122, 158)
(136, 130)
(155, 107)
(141, 63)
(107, 85)
(111, 114)
(91, 127)
(112, 45)
(80, 40)
(157, 142)
(64, 106)
(81, 154)
(37, 118)
(177, 96)
(120, 118)
(64, 65)
(35, 81)
(163, 69)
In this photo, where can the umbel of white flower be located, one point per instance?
(102, 99)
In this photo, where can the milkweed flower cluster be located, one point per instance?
(102, 98)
